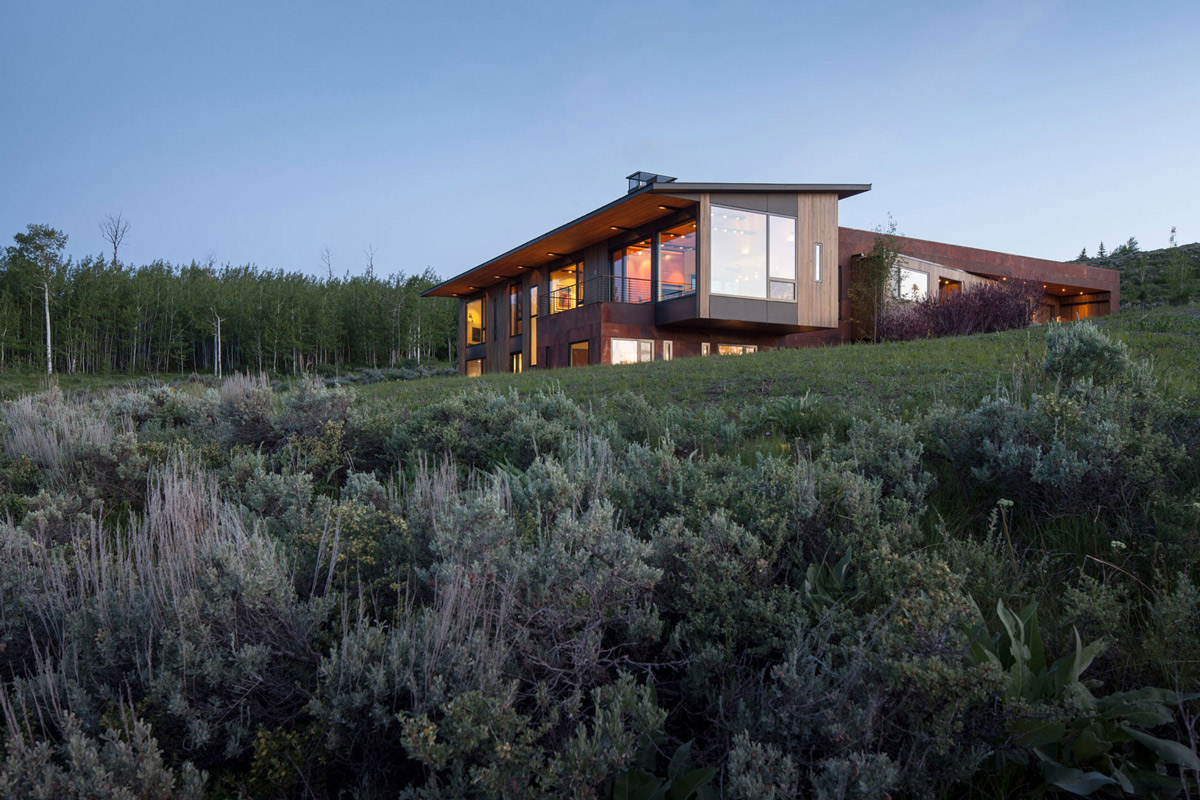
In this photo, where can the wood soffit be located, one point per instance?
(635, 209)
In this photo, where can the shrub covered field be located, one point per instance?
(946, 568)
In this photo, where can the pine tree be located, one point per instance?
(1101, 253)
(1082, 257)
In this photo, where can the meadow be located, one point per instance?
(963, 567)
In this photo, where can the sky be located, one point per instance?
(440, 134)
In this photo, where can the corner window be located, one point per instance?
(753, 254)
(677, 261)
(475, 368)
(630, 351)
(515, 318)
(476, 332)
(579, 354)
(631, 273)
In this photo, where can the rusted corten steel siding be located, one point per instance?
(852, 241)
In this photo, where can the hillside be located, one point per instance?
(955, 568)
(1156, 262)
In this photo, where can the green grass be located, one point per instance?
(899, 378)
(15, 384)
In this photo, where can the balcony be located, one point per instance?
(605, 289)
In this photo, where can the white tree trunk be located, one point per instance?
(49, 352)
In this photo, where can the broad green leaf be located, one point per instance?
(1167, 750)
(683, 788)
(1038, 732)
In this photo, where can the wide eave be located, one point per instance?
(635, 209)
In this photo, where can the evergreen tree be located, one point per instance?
(1101, 253)
(1082, 257)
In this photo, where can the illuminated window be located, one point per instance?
(668, 350)
(515, 366)
(514, 309)
(736, 349)
(631, 273)
(704, 349)
(630, 351)
(753, 254)
(912, 284)
(475, 368)
(677, 261)
(533, 315)
(565, 290)
(579, 354)
(476, 332)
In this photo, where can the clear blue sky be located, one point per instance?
(444, 133)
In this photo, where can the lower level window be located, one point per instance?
(475, 368)
(631, 351)
(516, 362)
(579, 354)
(704, 350)
(668, 350)
(736, 349)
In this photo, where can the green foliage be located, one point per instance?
(1081, 743)
(123, 764)
(1081, 350)
(871, 282)
(583, 585)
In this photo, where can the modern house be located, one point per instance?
(675, 269)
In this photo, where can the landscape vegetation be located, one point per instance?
(945, 567)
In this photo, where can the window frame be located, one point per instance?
(769, 278)
(658, 256)
(467, 367)
(587, 348)
(482, 301)
(642, 347)
(516, 319)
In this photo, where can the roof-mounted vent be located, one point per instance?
(639, 179)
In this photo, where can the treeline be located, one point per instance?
(1150, 277)
(107, 316)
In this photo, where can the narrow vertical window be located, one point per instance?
(817, 261)
(704, 348)
(533, 320)
(516, 363)
(667, 351)
(514, 309)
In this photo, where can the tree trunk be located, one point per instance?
(49, 352)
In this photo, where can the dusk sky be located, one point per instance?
(445, 133)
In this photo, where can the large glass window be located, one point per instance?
(533, 317)
(475, 368)
(912, 284)
(736, 349)
(677, 261)
(753, 254)
(630, 351)
(631, 273)
(565, 290)
(579, 354)
(476, 333)
(514, 309)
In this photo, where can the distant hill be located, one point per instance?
(1156, 261)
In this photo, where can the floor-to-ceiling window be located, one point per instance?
(565, 289)
(631, 273)
(677, 261)
(753, 254)
(476, 332)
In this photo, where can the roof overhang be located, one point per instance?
(639, 207)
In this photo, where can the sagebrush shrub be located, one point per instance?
(1081, 350)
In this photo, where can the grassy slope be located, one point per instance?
(900, 378)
